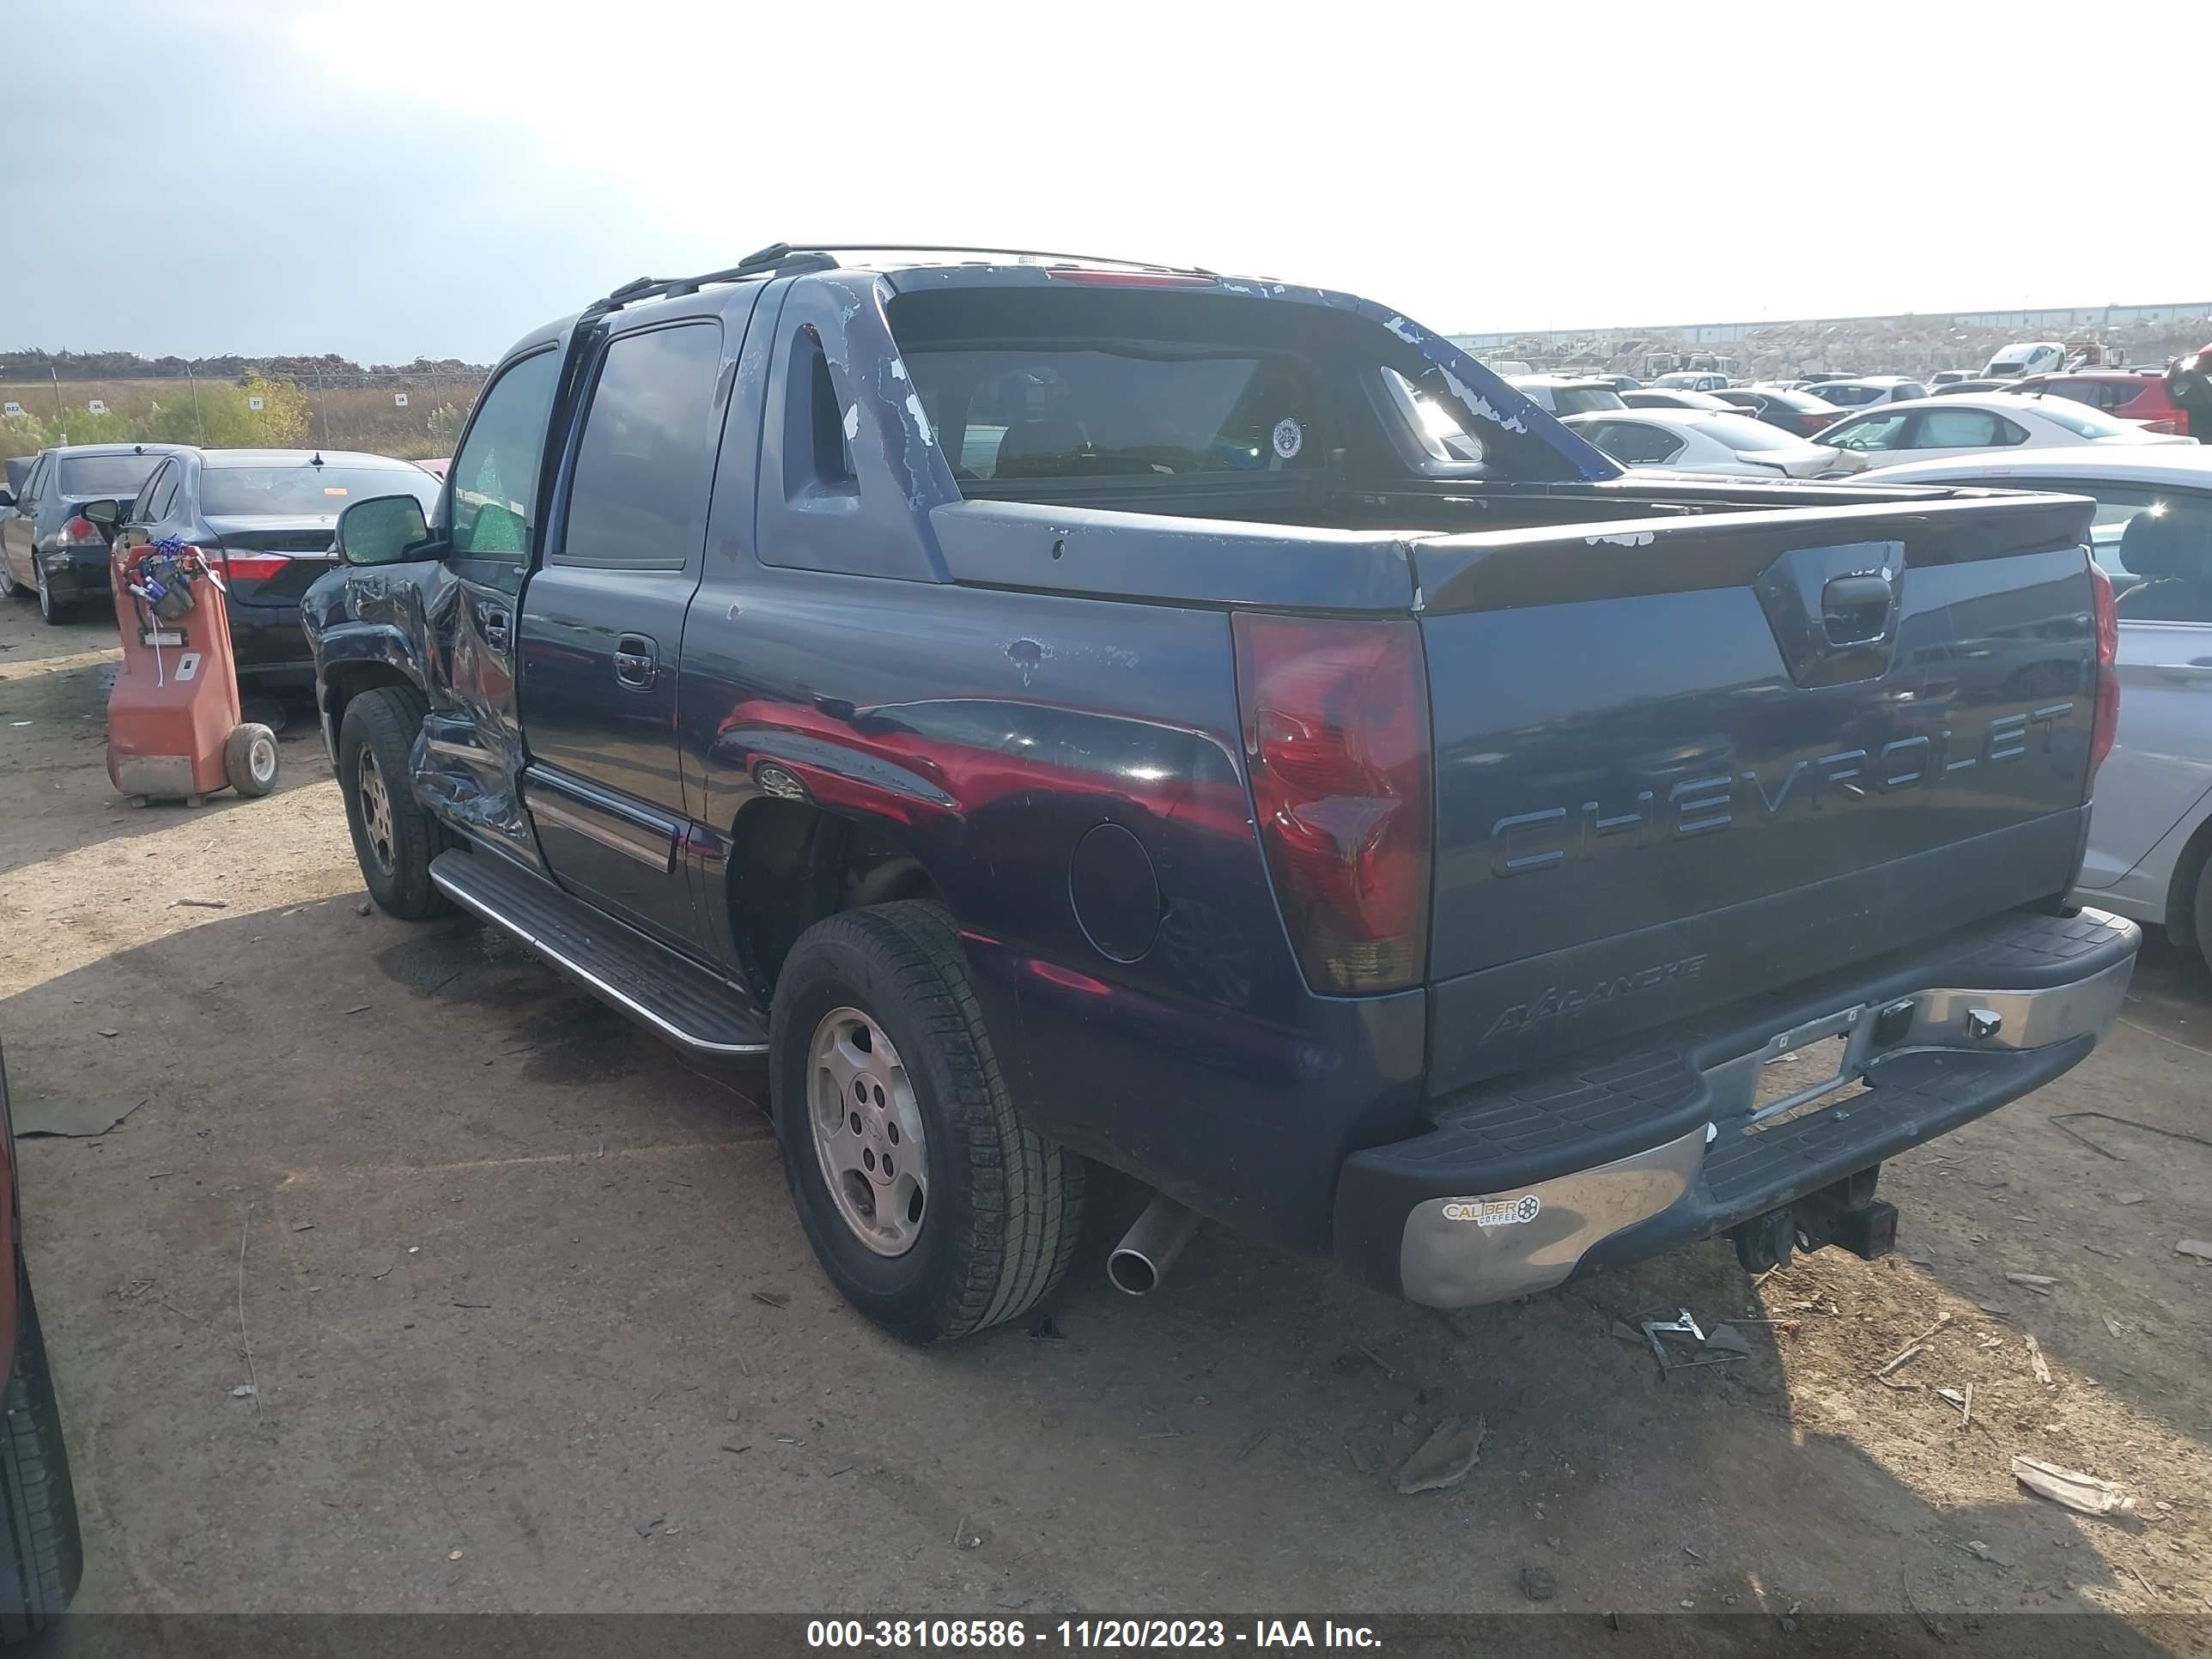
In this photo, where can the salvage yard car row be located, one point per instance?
(264, 517)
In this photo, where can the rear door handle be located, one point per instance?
(498, 628)
(637, 662)
(2186, 672)
(1856, 608)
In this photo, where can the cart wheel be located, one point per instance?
(249, 759)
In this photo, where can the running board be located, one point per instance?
(692, 1007)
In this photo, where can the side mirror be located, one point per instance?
(383, 530)
(102, 516)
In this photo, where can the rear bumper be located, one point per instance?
(1522, 1185)
(74, 573)
(269, 646)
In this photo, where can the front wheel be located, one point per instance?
(929, 1202)
(394, 835)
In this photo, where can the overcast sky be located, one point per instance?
(390, 178)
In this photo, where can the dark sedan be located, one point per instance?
(1803, 413)
(46, 544)
(264, 517)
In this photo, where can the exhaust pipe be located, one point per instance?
(1150, 1248)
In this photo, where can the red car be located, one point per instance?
(41, 1557)
(2130, 397)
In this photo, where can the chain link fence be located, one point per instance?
(411, 414)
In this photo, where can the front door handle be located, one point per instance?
(497, 626)
(637, 662)
(2186, 672)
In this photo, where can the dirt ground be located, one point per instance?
(532, 1326)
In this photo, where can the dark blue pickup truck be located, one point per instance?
(1054, 709)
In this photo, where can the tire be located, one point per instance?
(249, 759)
(52, 611)
(1004, 1206)
(44, 1556)
(394, 847)
(2200, 914)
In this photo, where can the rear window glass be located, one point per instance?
(1064, 411)
(1741, 432)
(296, 490)
(1636, 443)
(1845, 395)
(1584, 399)
(107, 475)
(2079, 419)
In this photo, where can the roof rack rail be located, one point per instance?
(784, 249)
(779, 257)
(766, 262)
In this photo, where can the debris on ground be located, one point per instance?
(1538, 1584)
(773, 1298)
(1356, 1357)
(1042, 1329)
(2035, 1358)
(79, 1120)
(361, 909)
(1445, 1458)
(2084, 1493)
(1915, 1345)
(244, 1391)
(200, 903)
(1685, 1325)
(646, 1528)
(1726, 1339)
(1917, 1348)
(2196, 1246)
(2037, 1282)
(1982, 1552)
(1994, 1308)
(2129, 1198)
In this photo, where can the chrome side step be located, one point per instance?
(691, 1006)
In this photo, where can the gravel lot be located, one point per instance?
(533, 1328)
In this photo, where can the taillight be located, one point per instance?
(80, 532)
(1336, 731)
(2106, 725)
(255, 567)
(2160, 424)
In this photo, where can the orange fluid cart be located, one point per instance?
(173, 724)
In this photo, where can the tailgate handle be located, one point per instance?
(1856, 608)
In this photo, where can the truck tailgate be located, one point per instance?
(1680, 761)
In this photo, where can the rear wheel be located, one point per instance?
(2200, 913)
(929, 1202)
(43, 1557)
(52, 611)
(394, 835)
